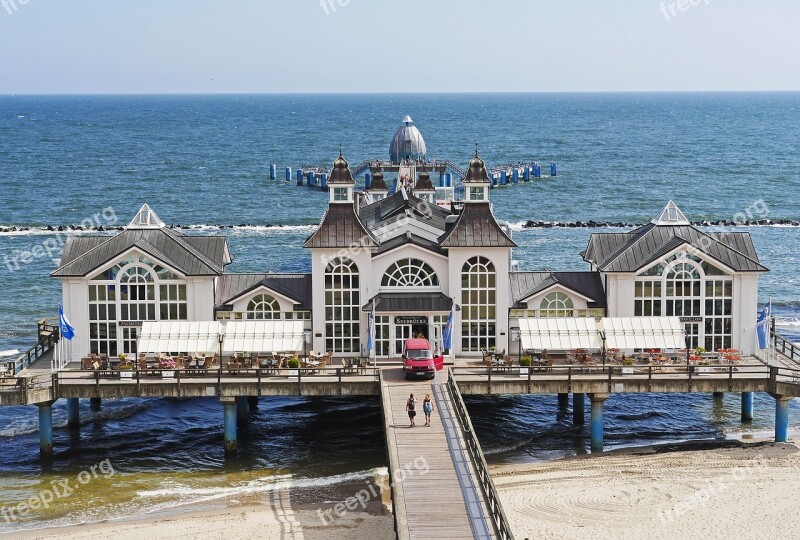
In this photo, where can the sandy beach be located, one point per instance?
(742, 490)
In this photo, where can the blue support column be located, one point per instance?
(229, 405)
(563, 401)
(747, 406)
(526, 174)
(46, 429)
(449, 179)
(442, 180)
(515, 176)
(537, 170)
(73, 413)
(312, 178)
(324, 182)
(272, 171)
(781, 418)
(242, 410)
(367, 180)
(299, 177)
(288, 174)
(553, 169)
(503, 178)
(578, 408)
(597, 420)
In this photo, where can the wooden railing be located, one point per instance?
(786, 347)
(496, 513)
(48, 335)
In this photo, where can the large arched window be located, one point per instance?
(410, 273)
(137, 294)
(478, 304)
(556, 304)
(263, 307)
(342, 307)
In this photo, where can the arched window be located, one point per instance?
(410, 273)
(263, 307)
(342, 307)
(556, 304)
(478, 304)
(137, 293)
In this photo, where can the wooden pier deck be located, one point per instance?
(436, 493)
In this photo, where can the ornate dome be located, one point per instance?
(341, 172)
(424, 182)
(477, 170)
(407, 142)
(378, 183)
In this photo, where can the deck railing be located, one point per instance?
(786, 347)
(48, 335)
(496, 513)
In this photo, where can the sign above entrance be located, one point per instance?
(691, 319)
(129, 324)
(411, 320)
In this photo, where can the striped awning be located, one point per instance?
(559, 334)
(643, 332)
(263, 336)
(179, 336)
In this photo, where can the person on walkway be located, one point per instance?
(427, 408)
(411, 408)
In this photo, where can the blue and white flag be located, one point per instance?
(447, 333)
(371, 338)
(67, 331)
(763, 326)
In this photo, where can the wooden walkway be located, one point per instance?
(435, 490)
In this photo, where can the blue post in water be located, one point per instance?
(312, 178)
(324, 181)
(747, 406)
(578, 408)
(515, 176)
(46, 429)
(230, 425)
(442, 180)
(553, 170)
(242, 410)
(537, 170)
(73, 413)
(503, 178)
(288, 174)
(367, 180)
(597, 420)
(299, 177)
(526, 174)
(563, 401)
(781, 418)
(272, 171)
(449, 179)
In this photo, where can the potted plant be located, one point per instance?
(703, 366)
(294, 366)
(168, 368)
(627, 366)
(525, 365)
(125, 367)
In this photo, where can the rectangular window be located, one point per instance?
(173, 305)
(341, 194)
(647, 301)
(718, 314)
(476, 194)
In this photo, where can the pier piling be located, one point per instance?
(299, 176)
(288, 174)
(781, 417)
(46, 429)
(242, 410)
(597, 420)
(272, 171)
(553, 169)
(578, 408)
(252, 401)
(73, 413)
(229, 406)
(563, 401)
(747, 406)
(95, 403)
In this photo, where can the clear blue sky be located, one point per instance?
(160, 46)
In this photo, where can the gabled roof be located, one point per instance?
(476, 227)
(586, 284)
(198, 256)
(671, 215)
(296, 287)
(408, 239)
(633, 251)
(145, 218)
(340, 227)
(425, 302)
(402, 205)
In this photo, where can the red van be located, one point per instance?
(418, 360)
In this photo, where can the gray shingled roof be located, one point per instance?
(476, 227)
(408, 238)
(588, 284)
(410, 302)
(192, 256)
(296, 287)
(399, 205)
(630, 252)
(340, 228)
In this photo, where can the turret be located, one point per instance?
(476, 183)
(341, 182)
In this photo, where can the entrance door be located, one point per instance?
(401, 333)
(693, 334)
(420, 330)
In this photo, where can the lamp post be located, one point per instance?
(515, 337)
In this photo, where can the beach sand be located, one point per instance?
(739, 490)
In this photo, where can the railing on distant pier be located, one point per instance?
(786, 347)
(48, 335)
(496, 513)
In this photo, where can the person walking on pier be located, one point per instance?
(427, 408)
(411, 407)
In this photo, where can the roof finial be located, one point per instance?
(476, 149)
(340, 150)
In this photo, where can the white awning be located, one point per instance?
(643, 332)
(179, 336)
(559, 334)
(263, 336)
